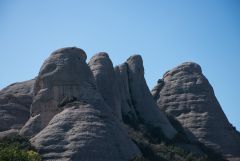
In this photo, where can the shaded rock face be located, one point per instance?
(186, 94)
(137, 101)
(69, 118)
(15, 101)
(127, 109)
(104, 74)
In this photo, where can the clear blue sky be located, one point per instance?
(165, 32)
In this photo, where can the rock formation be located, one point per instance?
(57, 82)
(128, 112)
(94, 112)
(103, 72)
(69, 118)
(186, 94)
(141, 102)
(15, 102)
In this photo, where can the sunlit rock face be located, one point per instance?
(58, 80)
(88, 112)
(106, 80)
(185, 93)
(69, 118)
(137, 101)
(127, 109)
(85, 131)
(15, 102)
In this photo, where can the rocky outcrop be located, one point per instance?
(139, 101)
(15, 101)
(103, 72)
(185, 93)
(56, 83)
(78, 111)
(127, 109)
(69, 118)
(85, 131)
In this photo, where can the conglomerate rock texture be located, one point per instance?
(185, 93)
(73, 121)
(57, 82)
(91, 112)
(137, 100)
(15, 102)
(104, 74)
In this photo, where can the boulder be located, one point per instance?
(185, 93)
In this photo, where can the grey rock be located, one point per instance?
(15, 101)
(8, 133)
(57, 81)
(85, 132)
(105, 77)
(19, 88)
(128, 112)
(186, 94)
(141, 100)
(70, 119)
(32, 126)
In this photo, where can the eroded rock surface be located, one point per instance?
(128, 112)
(185, 93)
(85, 131)
(69, 118)
(58, 81)
(103, 72)
(75, 111)
(138, 100)
(15, 101)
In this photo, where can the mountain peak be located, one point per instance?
(81, 111)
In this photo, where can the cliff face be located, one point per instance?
(15, 102)
(140, 104)
(185, 93)
(69, 118)
(106, 80)
(78, 111)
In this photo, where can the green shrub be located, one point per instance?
(160, 151)
(66, 100)
(17, 148)
(33, 156)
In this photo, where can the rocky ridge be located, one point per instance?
(69, 118)
(186, 94)
(97, 112)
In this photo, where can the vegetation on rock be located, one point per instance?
(17, 148)
(154, 149)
